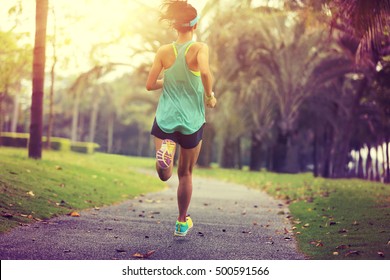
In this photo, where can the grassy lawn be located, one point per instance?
(64, 182)
(332, 219)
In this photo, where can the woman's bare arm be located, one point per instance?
(205, 74)
(153, 83)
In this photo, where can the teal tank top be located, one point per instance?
(181, 104)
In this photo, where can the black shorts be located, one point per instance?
(185, 141)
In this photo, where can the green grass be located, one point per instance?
(63, 182)
(331, 219)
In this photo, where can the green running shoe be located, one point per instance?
(182, 228)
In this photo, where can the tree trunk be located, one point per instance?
(75, 117)
(238, 154)
(292, 156)
(140, 141)
(35, 142)
(341, 144)
(228, 159)
(2, 94)
(110, 133)
(383, 174)
(81, 131)
(93, 121)
(377, 171)
(256, 153)
(206, 153)
(360, 166)
(270, 158)
(328, 145)
(316, 168)
(387, 180)
(339, 167)
(280, 153)
(369, 171)
(15, 113)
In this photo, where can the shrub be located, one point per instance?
(84, 147)
(13, 139)
(20, 140)
(58, 144)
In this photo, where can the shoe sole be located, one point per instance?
(182, 234)
(164, 154)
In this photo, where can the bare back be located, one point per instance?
(168, 56)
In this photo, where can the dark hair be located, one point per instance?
(179, 14)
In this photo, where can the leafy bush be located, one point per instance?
(12, 139)
(20, 140)
(84, 147)
(58, 144)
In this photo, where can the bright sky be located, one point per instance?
(98, 21)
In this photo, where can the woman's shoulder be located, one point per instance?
(164, 48)
(200, 44)
(197, 46)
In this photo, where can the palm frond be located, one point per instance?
(366, 20)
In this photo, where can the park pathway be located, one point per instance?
(231, 222)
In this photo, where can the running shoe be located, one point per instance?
(164, 155)
(182, 228)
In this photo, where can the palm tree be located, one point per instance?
(276, 62)
(381, 97)
(35, 143)
(368, 21)
(16, 62)
(81, 84)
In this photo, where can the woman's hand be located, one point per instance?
(211, 101)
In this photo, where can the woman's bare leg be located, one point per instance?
(187, 161)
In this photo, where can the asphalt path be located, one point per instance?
(231, 222)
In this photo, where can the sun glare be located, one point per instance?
(81, 26)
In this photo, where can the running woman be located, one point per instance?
(180, 116)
